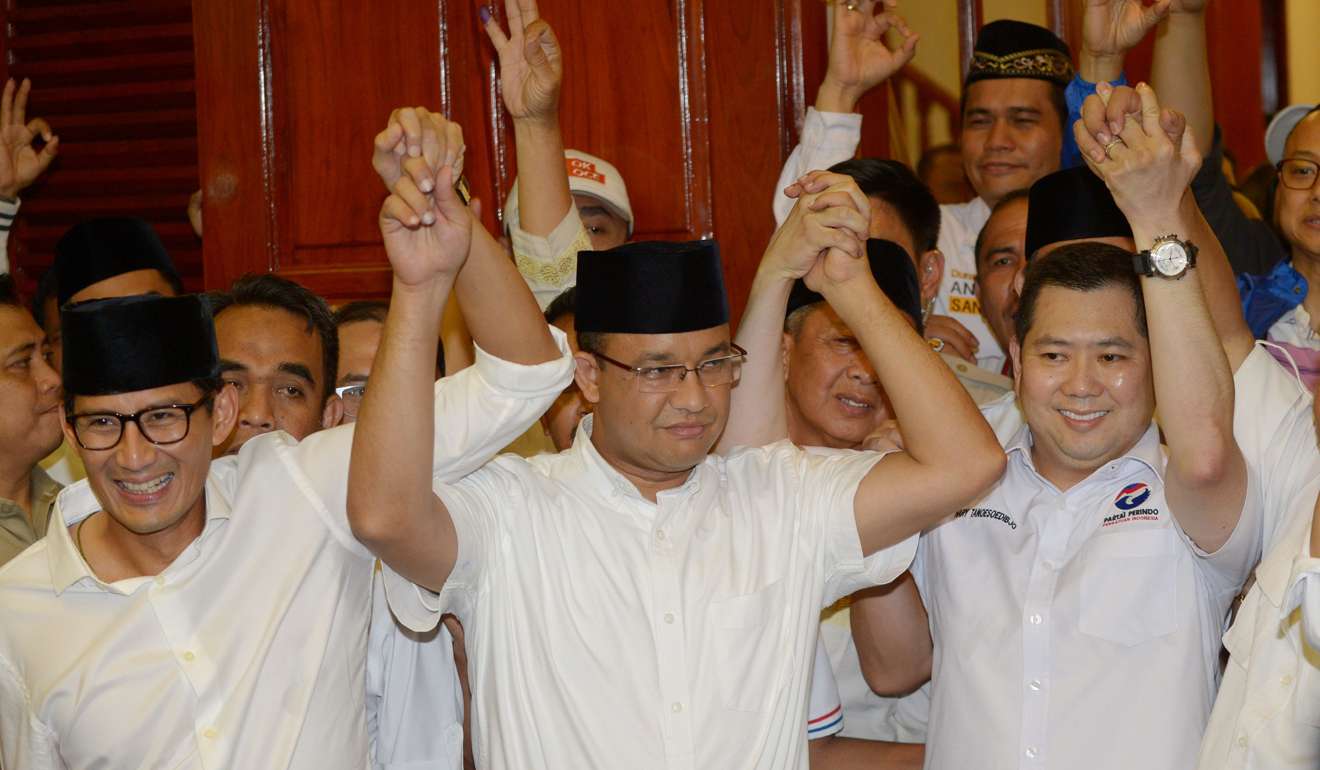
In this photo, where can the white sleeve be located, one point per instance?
(827, 138)
(549, 263)
(478, 411)
(1304, 593)
(830, 479)
(8, 210)
(25, 742)
(825, 707)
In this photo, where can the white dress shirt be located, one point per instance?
(606, 631)
(828, 138)
(414, 697)
(249, 650)
(1078, 629)
(1267, 714)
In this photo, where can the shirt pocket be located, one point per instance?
(1129, 587)
(750, 656)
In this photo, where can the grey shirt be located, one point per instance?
(17, 529)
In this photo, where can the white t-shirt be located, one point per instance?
(1077, 629)
(250, 649)
(604, 630)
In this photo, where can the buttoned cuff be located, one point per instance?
(822, 131)
(549, 263)
(527, 381)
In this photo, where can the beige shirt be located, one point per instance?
(18, 530)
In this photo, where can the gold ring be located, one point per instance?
(1115, 141)
(936, 344)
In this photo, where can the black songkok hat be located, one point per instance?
(1015, 49)
(1072, 205)
(98, 249)
(652, 287)
(893, 271)
(127, 344)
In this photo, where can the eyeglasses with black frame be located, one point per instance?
(1298, 173)
(711, 373)
(161, 425)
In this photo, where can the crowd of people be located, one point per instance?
(1010, 462)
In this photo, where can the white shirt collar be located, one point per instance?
(605, 479)
(1146, 451)
(76, 503)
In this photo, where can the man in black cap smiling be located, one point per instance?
(227, 599)
(689, 581)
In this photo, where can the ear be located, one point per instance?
(930, 272)
(224, 414)
(333, 413)
(1019, 280)
(786, 352)
(71, 439)
(1015, 353)
(587, 376)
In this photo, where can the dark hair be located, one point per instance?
(376, 310)
(8, 291)
(562, 305)
(1058, 100)
(591, 342)
(1016, 195)
(896, 185)
(46, 290)
(928, 157)
(362, 310)
(273, 291)
(1086, 266)
(209, 386)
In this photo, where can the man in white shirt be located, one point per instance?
(1097, 576)
(1013, 122)
(228, 599)
(686, 584)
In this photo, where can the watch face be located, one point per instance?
(1169, 258)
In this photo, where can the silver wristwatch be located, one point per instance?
(1168, 257)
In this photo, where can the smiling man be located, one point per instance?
(279, 348)
(1100, 569)
(227, 598)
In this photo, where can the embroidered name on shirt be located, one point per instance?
(986, 513)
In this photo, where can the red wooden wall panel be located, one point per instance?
(115, 79)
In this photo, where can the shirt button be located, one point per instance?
(160, 580)
(1032, 753)
(1034, 684)
(210, 733)
(1242, 741)
(1036, 619)
(189, 656)
(1048, 564)
(676, 707)
(659, 534)
(669, 617)
(1286, 680)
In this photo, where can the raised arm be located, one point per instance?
(1111, 28)
(950, 452)
(20, 162)
(837, 217)
(1216, 273)
(1149, 173)
(1180, 69)
(531, 73)
(859, 60)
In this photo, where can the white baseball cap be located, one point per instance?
(1276, 136)
(590, 176)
